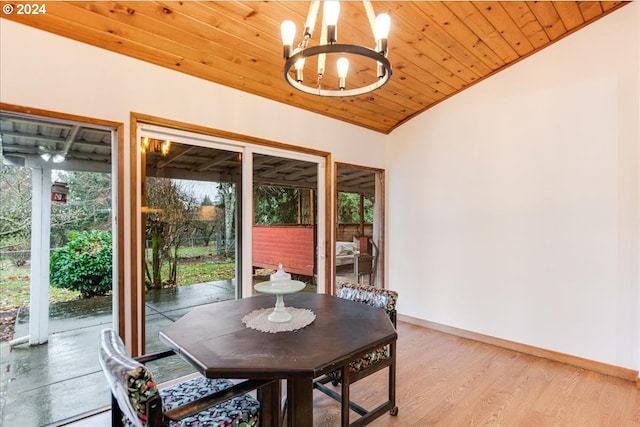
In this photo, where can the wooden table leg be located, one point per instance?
(345, 382)
(269, 397)
(300, 402)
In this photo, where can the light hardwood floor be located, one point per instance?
(447, 381)
(443, 380)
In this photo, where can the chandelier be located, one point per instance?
(328, 45)
(152, 145)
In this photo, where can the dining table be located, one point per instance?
(219, 344)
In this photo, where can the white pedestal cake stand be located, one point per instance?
(279, 289)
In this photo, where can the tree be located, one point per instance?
(208, 220)
(349, 209)
(170, 214)
(275, 205)
(88, 204)
(15, 208)
(226, 199)
(206, 201)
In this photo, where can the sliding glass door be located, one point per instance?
(58, 272)
(204, 201)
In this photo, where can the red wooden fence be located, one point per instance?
(293, 246)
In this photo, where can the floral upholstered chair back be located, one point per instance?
(375, 297)
(131, 382)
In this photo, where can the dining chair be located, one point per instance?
(367, 364)
(137, 401)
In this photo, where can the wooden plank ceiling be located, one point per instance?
(436, 49)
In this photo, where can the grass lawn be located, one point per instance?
(14, 287)
(14, 281)
(193, 272)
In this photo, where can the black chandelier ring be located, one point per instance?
(338, 48)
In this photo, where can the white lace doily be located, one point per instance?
(257, 319)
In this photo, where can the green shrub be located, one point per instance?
(84, 264)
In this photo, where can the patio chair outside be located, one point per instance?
(366, 265)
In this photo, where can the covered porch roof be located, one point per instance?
(88, 148)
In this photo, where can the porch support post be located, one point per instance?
(40, 241)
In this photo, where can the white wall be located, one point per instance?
(513, 207)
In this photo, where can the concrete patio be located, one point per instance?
(41, 385)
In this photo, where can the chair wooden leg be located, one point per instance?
(116, 413)
(392, 379)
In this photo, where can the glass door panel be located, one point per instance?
(285, 200)
(358, 247)
(56, 265)
(189, 214)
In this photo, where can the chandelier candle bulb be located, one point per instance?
(165, 147)
(288, 31)
(343, 69)
(331, 14)
(382, 27)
